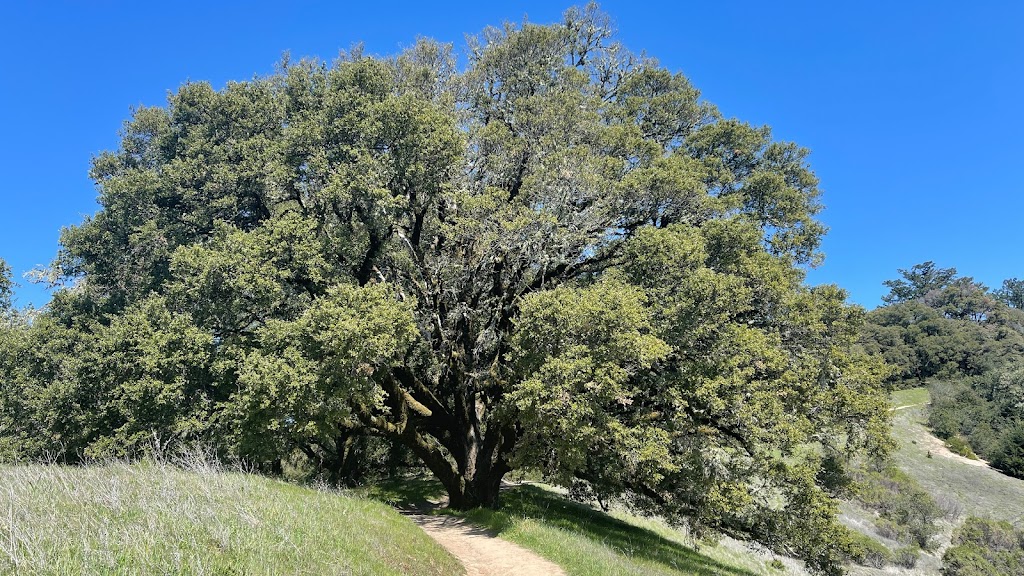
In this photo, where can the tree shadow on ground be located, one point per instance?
(423, 495)
(412, 494)
(543, 506)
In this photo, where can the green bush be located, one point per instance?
(983, 440)
(967, 560)
(997, 535)
(983, 547)
(943, 418)
(1008, 456)
(958, 445)
(887, 528)
(907, 513)
(866, 551)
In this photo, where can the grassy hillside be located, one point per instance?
(961, 486)
(155, 519)
(980, 490)
(588, 542)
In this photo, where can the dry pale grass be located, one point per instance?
(154, 518)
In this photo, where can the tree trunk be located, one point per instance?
(472, 482)
(464, 451)
(343, 466)
(480, 491)
(480, 481)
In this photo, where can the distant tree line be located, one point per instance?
(967, 343)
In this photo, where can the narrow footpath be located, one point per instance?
(481, 551)
(935, 446)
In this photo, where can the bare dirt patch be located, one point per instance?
(938, 448)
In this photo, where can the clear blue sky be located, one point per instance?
(912, 110)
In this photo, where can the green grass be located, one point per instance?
(910, 397)
(157, 519)
(980, 491)
(588, 542)
(958, 487)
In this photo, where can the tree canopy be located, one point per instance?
(917, 282)
(939, 324)
(558, 258)
(1012, 293)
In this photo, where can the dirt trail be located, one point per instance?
(481, 551)
(936, 446)
(905, 406)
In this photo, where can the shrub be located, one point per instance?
(907, 513)
(867, 551)
(1009, 454)
(958, 445)
(983, 547)
(887, 528)
(996, 535)
(943, 419)
(967, 561)
(983, 440)
(906, 556)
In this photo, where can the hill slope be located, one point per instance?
(980, 490)
(155, 519)
(965, 487)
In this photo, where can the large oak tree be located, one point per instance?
(558, 258)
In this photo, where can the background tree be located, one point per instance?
(6, 287)
(938, 324)
(8, 344)
(558, 258)
(917, 282)
(1012, 293)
